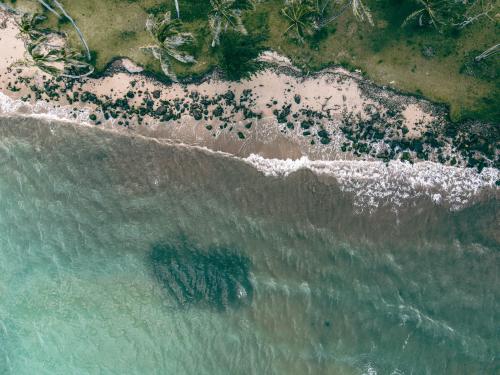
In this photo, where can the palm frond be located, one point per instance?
(361, 11)
(489, 52)
(168, 38)
(412, 16)
(299, 14)
(225, 15)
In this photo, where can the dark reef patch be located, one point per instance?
(215, 278)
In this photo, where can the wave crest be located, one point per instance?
(375, 183)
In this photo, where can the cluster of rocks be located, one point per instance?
(377, 131)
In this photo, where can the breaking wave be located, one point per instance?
(373, 183)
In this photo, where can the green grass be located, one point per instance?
(385, 52)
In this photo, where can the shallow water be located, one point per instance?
(262, 274)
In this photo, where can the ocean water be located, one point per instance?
(122, 255)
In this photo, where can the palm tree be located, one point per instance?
(489, 52)
(177, 9)
(361, 11)
(61, 62)
(427, 10)
(28, 25)
(300, 17)
(53, 58)
(169, 39)
(475, 11)
(43, 59)
(72, 21)
(48, 5)
(224, 15)
(49, 8)
(324, 8)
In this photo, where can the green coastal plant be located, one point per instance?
(51, 5)
(225, 15)
(443, 14)
(28, 25)
(427, 14)
(300, 16)
(53, 59)
(63, 62)
(329, 10)
(169, 39)
(238, 54)
(489, 52)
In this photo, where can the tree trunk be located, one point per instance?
(177, 8)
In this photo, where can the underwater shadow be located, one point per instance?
(215, 278)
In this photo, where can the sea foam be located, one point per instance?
(375, 183)
(42, 109)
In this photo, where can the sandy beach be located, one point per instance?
(298, 221)
(335, 92)
(277, 113)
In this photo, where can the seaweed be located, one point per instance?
(214, 278)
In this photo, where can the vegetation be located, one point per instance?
(169, 39)
(238, 54)
(300, 17)
(446, 50)
(51, 57)
(224, 15)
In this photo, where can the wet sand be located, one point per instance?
(331, 96)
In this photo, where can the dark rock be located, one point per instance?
(229, 95)
(196, 111)
(306, 124)
(161, 110)
(323, 133)
(218, 111)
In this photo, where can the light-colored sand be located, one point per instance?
(416, 118)
(336, 92)
(11, 46)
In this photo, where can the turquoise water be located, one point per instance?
(119, 255)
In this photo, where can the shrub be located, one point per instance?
(238, 53)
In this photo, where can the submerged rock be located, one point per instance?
(215, 278)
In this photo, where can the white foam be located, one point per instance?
(375, 183)
(42, 109)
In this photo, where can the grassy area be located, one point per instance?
(412, 59)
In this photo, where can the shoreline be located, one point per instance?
(373, 184)
(278, 113)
